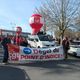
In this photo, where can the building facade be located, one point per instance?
(13, 33)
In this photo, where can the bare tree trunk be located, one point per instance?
(63, 18)
(62, 36)
(44, 25)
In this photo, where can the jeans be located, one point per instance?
(5, 49)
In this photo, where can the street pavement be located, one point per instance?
(8, 72)
(50, 70)
(53, 70)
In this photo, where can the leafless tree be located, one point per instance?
(59, 14)
(77, 23)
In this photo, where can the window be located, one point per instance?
(45, 38)
(75, 43)
(36, 39)
(31, 39)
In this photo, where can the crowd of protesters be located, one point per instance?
(8, 39)
(22, 41)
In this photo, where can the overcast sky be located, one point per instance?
(17, 13)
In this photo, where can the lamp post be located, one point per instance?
(13, 27)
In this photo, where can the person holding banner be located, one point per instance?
(24, 42)
(19, 40)
(6, 40)
(65, 43)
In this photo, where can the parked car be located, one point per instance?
(40, 41)
(75, 48)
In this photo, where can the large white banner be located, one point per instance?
(24, 54)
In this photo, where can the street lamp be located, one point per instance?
(13, 26)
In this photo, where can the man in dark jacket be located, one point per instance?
(6, 40)
(65, 44)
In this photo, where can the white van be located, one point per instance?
(75, 48)
(40, 41)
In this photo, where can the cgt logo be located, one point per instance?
(27, 50)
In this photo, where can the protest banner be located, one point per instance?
(19, 54)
